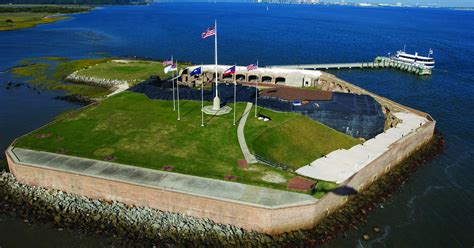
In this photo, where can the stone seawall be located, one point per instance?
(265, 220)
(369, 174)
(139, 223)
(106, 83)
(142, 226)
(261, 219)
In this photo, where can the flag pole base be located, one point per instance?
(210, 110)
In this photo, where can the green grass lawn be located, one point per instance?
(293, 139)
(142, 132)
(131, 71)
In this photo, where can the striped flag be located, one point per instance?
(252, 67)
(208, 33)
(172, 67)
(229, 71)
(167, 62)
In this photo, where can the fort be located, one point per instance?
(377, 132)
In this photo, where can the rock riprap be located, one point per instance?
(141, 223)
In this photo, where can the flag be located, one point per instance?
(431, 51)
(196, 71)
(229, 71)
(252, 67)
(174, 67)
(167, 62)
(169, 68)
(208, 33)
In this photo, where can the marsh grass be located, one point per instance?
(21, 20)
(49, 72)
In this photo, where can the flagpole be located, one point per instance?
(172, 82)
(202, 99)
(215, 52)
(235, 85)
(256, 93)
(177, 88)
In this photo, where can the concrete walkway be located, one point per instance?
(340, 165)
(249, 157)
(120, 88)
(192, 185)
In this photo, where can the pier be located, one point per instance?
(379, 62)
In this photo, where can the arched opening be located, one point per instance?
(228, 77)
(240, 77)
(280, 80)
(253, 78)
(266, 79)
(214, 76)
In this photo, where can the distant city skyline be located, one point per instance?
(439, 3)
(443, 3)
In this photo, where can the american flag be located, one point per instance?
(209, 32)
(167, 62)
(252, 67)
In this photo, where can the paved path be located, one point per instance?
(249, 157)
(342, 164)
(199, 186)
(120, 88)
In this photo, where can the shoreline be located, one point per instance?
(12, 12)
(42, 21)
(32, 207)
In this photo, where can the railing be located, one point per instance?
(379, 62)
(263, 160)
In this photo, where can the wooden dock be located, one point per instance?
(379, 62)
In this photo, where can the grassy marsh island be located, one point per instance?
(83, 77)
(48, 73)
(131, 71)
(13, 17)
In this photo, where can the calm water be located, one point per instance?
(435, 208)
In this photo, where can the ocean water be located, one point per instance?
(435, 208)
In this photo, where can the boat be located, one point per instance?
(415, 59)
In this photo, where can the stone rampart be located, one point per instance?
(262, 219)
(271, 220)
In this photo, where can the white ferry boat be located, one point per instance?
(415, 59)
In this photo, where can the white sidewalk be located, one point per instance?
(340, 165)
